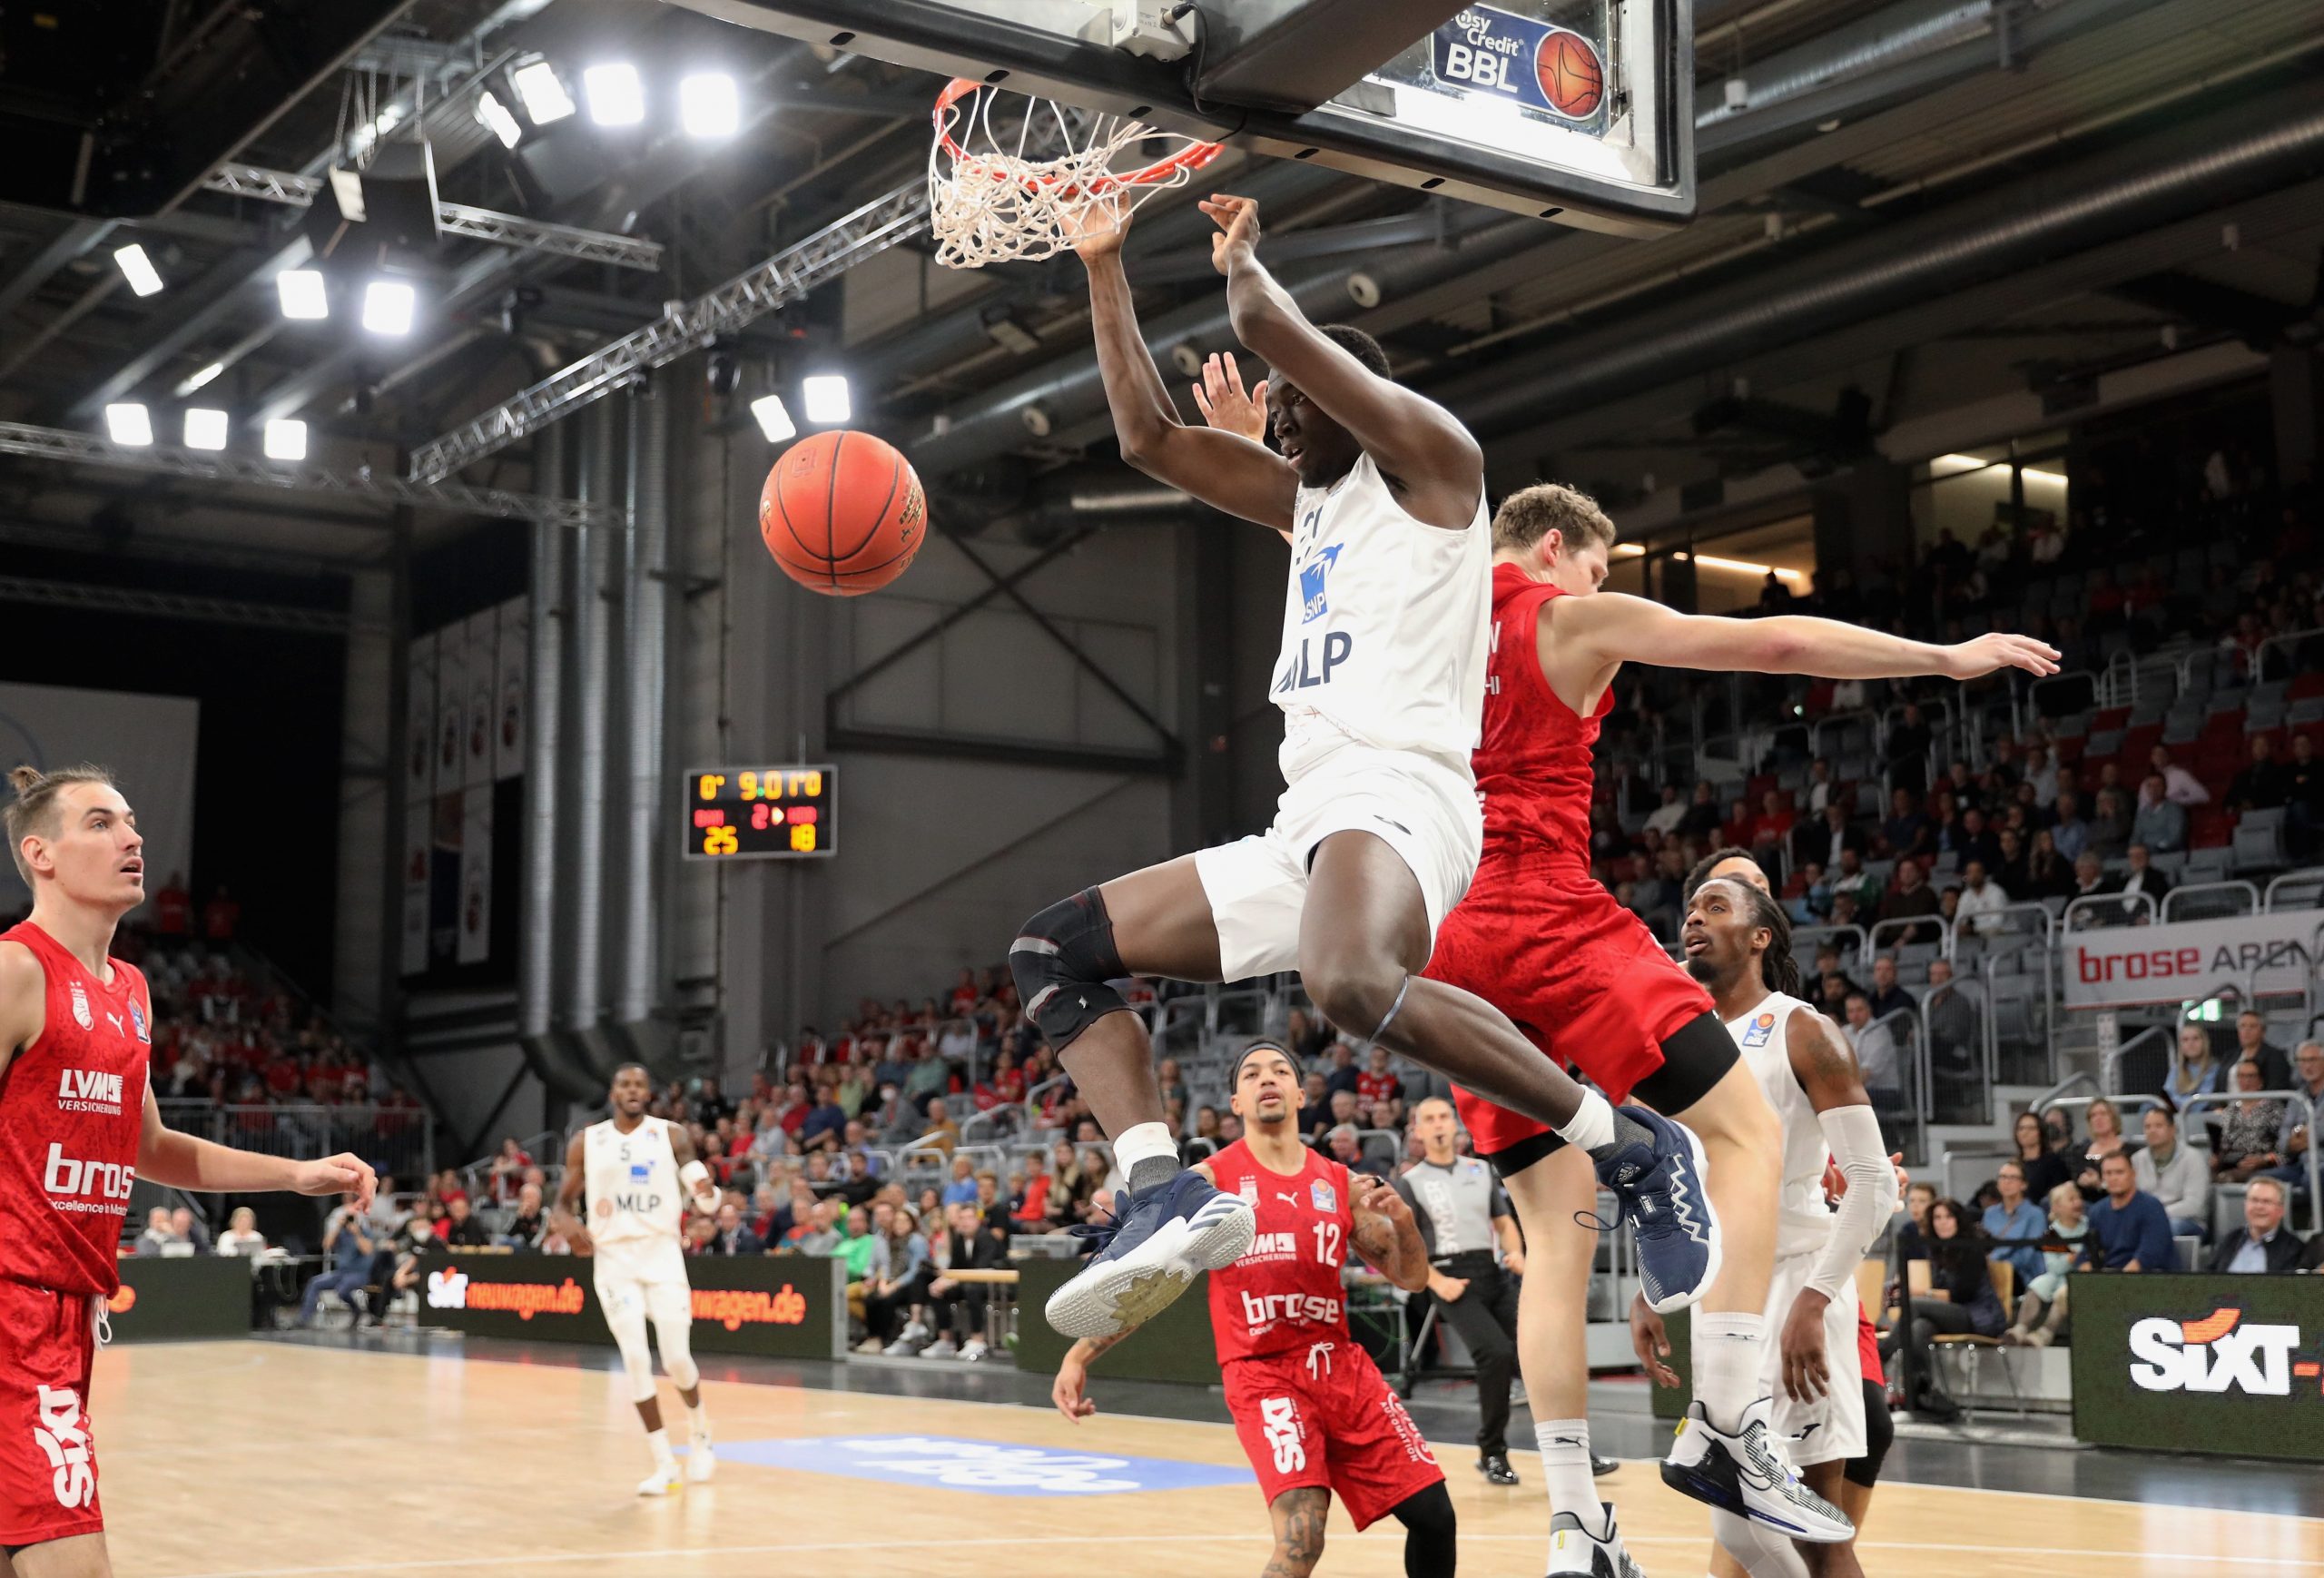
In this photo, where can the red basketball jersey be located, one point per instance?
(72, 1109)
(1533, 761)
(1285, 1293)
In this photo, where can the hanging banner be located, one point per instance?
(150, 742)
(476, 874)
(482, 638)
(2125, 966)
(514, 636)
(451, 707)
(418, 841)
(419, 723)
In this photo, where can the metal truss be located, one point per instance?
(785, 278)
(484, 224)
(173, 605)
(84, 449)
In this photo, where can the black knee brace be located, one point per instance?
(1061, 960)
(1430, 1533)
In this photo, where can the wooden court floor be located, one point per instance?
(258, 1460)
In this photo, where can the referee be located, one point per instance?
(1462, 1213)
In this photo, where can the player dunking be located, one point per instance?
(1381, 679)
(1738, 943)
(639, 1171)
(78, 1127)
(1312, 1410)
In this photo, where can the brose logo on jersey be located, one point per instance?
(2219, 1353)
(60, 1435)
(88, 1090)
(75, 1185)
(1263, 1309)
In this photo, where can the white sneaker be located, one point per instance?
(944, 1348)
(870, 1344)
(1748, 1473)
(701, 1462)
(1576, 1552)
(975, 1348)
(662, 1481)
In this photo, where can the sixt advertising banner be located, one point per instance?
(2125, 966)
(792, 1306)
(2231, 1364)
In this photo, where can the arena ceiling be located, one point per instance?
(1910, 120)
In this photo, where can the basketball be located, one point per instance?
(842, 513)
(1570, 79)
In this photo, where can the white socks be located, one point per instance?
(1565, 1469)
(1591, 1126)
(699, 1419)
(659, 1441)
(1726, 1350)
(1146, 1143)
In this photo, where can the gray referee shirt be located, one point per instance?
(1455, 1206)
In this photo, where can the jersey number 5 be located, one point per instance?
(1327, 1243)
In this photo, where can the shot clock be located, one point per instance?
(780, 812)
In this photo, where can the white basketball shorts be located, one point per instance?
(1831, 1427)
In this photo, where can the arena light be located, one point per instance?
(130, 423)
(286, 438)
(138, 269)
(388, 307)
(615, 93)
(826, 398)
(498, 120)
(708, 105)
(2054, 479)
(542, 92)
(1629, 550)
(203, 379)
(1960, 465)
(205, 428)
(303, 293)
(1745, 568)
(773, 419)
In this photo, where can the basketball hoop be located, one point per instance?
(989, 203)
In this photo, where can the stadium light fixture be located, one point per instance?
(498, 120)
(826, 398)
(617, 95)
(388, 307)
(542, 92)
(773, 419)
(708, 105)
(203, 379)
(129, 422)
(286, 438)
(138, 269)
(303, 293)
(205, 428)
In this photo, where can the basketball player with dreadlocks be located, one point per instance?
(1738, 943)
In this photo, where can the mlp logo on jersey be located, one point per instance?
(1760, 1029)
(1326, 1198)
(1312, 603)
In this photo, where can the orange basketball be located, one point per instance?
(842, 513)
(1571, 77)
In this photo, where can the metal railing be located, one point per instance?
(2111, 1078)
(2258, 662)
(2202, 896)
(2303, 876)
(395, 1140)
(2093, 909)
(1916, 1086)
(2298, 1099)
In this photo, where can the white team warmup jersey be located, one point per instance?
(632, 1183)
(1385, 624)
(1832, 1426)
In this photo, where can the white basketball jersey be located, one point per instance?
(1806, 1222)
(633, 1183)
(1384, 623)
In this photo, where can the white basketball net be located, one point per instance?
(990, 202)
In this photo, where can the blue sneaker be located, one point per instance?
(1655, 1169)
(1150, 1254)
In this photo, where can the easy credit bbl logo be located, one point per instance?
(2222, 1352)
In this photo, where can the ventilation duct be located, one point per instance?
(645, 616)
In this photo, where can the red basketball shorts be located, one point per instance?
(48, 1459)
(1324, 1417)
(1581, 976)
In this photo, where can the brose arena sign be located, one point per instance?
(2124, 966)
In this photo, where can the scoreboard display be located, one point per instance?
(761, 812)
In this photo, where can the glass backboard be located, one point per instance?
(1579, 111)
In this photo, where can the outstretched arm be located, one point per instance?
(181, 1161)
(1612, 627)
(1226, 471)
(1385, 1233)
(1429, 458)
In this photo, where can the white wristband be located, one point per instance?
(694, 1175)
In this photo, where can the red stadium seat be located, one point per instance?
(2109, 717)
(2208, 827)
(2304, 686)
